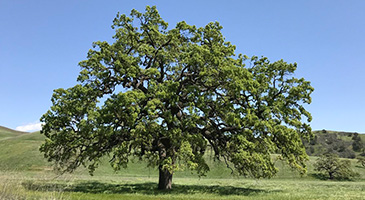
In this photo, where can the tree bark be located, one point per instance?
(165, 179)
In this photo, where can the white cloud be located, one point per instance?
(31, 127)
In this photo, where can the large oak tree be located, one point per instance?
(168, 95)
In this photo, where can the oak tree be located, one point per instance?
(168, 95)
(331, 165)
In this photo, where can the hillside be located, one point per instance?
(21, 153)
(344, 144)
(9, 133)
(25, 174)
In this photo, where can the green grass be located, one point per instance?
(6, 133)
(22, 152)
(75, 187)
(25, 174)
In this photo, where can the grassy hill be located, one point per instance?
(25, 174)
(20, 152)
(9, 133)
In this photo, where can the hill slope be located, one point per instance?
(9, 133)
(340, 143)
(21, 153)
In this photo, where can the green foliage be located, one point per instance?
(166, 95)
(340, 143)
(361, 160)
(357, 144)
(335, 168)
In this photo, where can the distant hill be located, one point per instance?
(20, 151)
(22, 154)
(9, 133)
(344, 144)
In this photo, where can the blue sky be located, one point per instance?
(41, 43)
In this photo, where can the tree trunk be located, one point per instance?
(165, 179)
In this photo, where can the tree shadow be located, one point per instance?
(148, 188)
(324, 177)
(319, 176)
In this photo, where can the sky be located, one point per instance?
(42, 42)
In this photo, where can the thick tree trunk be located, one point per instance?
(165, 179)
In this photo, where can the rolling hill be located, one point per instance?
(20, 152)
(9, 133)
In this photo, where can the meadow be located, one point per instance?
(25, 174)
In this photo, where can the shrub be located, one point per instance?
(357, 144)
(361, 160)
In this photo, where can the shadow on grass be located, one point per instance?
(324, 177)
(148, 188)
(319, 176)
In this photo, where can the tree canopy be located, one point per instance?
(168, 95)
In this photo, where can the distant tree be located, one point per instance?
(331, 165)
(165, 95)
(357, 144)
(311, 150)
(313, 141)
(341, 147)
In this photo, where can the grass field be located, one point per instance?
(24, 174)
(42, 186)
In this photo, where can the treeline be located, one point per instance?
(344, 144)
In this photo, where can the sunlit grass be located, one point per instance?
(24, 174)
(17, 186)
